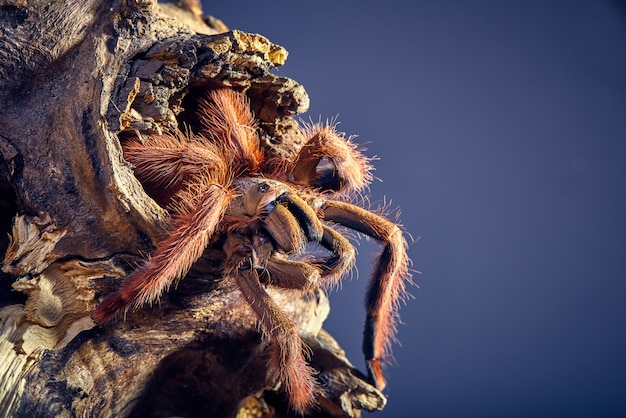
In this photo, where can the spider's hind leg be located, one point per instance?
(224, 117)
(165, 163)
(329, 161)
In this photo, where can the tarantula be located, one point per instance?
(220, 185)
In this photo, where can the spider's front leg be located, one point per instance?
(202, 208)
(192, 176)
(387, 285)
(286, 348)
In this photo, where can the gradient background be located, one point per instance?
(501, 132)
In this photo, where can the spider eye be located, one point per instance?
(263, 187)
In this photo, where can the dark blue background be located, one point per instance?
(501, 132)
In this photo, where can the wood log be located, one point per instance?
(75, 77)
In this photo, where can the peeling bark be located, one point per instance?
(74, 78)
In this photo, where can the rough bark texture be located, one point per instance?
(74, 77)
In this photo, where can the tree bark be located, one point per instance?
(75, 77)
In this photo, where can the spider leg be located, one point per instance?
(342, 259)
(290, 274)
(276, 269)
(330, 161)
(174, 256)
(225, 116)
(164, 163)
(387, 285)
(286, 354)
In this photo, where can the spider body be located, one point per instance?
(218, 184)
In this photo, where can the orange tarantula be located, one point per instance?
(219, 184)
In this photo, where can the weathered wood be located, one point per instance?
(74, 77)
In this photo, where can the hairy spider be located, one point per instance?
(220, 184)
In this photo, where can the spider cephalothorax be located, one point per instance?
(218, 184)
